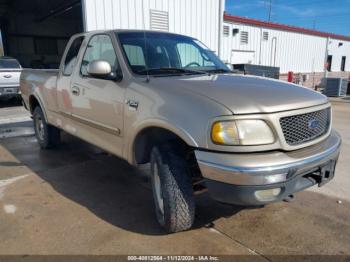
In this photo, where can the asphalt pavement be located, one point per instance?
(77, 199)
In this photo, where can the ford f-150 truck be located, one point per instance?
(10, 70)
(166, 99)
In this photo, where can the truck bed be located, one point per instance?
(42, 83)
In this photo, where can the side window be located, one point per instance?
(190, 56)
(100, 47)
(71, 57)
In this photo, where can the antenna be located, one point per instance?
(270, 9)
(146, 56)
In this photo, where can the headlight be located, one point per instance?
(242, 132)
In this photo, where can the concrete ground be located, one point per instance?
(77, 199)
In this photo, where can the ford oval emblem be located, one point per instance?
(313, 123)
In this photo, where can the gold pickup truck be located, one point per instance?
(166, 99)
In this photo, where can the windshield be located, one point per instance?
(9, 64)
(165, 54)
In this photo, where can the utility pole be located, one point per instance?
(325, 72)
(270, 9)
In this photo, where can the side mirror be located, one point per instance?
(99, 69)
(103, 70)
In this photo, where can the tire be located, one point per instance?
(172, 189)
(47, 135)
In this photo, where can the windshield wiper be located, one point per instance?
(170, 70)
(218, 71)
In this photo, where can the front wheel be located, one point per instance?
(48, 136)
(172, 189)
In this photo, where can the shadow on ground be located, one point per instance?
(120, 195)
(13, 102)
(108, 186)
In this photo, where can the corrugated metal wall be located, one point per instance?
(338, 49)
(288, 50)
(196, 18)
(201, 19)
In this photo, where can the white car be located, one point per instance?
(10, 71)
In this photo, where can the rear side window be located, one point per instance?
(100, 47)
(9, 64)
(72, 55)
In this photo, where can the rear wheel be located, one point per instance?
(47, 135)
(172, 189)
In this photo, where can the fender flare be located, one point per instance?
(41, 104)
(156, 123)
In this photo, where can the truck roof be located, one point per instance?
(131, 31)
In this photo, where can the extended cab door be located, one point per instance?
(69, 62)
(98, 104)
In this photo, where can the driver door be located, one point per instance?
(98, 103)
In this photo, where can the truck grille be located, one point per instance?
(304, 128)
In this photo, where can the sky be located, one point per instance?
(323, 15)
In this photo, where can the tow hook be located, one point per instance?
(289, 199)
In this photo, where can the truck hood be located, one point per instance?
(247, 94)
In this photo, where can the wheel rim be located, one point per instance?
(158, 189)
(40, 128)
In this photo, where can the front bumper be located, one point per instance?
(234, 178)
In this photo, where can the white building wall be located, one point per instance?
(196, 18)
(290, 51)
(337, 49)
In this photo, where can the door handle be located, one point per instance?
(133, 105)
(75, 90)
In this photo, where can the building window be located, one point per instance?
(266, 36)
(343, 63)
(244, 37)
(226, 30)
(159, 20)
(329, 63)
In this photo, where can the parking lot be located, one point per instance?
(77, 199)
